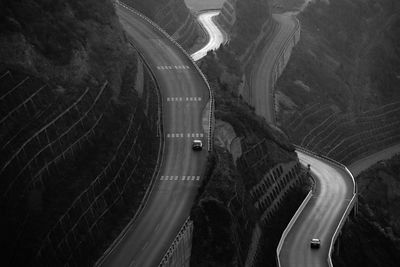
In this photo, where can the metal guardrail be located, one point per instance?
(290, 225)
(175, 243)
(163, 32)
(162, 146)
(282, 51)
(306, 200)
(351, 204)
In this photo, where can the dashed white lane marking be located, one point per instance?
(182, 99)
(173, 67)
(180, 178)
(182, 135)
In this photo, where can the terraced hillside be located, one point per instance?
(79, 131)
(338, 93)
(69, 163)
(345, 137)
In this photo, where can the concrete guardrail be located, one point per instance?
(162, 31)
(350, 206)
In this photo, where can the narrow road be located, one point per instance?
(184, 97)
(361, 165)
(320, 217)
(215, 36)
(261, 80)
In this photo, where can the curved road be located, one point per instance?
(184, 97)
(215, 36)
(261, 79)
(320, 217)
(360, 165)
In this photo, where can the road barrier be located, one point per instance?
(290, 225)
(352, 204)
(281, 55)
(211, 115)
(175, 257)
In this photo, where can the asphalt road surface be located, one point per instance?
(320, 217)
(185, 96)
(261, 79)
(216, 38)
(361, 165)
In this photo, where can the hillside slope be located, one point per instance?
(78, 108)
(374, 235)
(342, 79)
(64, 41)
(253, 172)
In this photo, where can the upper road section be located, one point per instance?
(321, 216)
(264, 73)
(184, 99)
(215, 36)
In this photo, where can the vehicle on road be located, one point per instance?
(197, 145)
(315, 243)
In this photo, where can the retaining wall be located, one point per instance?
(82, 226)
(178, 254)
(268, 194)
(351, 206)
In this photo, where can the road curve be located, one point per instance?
(184, 97)
(215, 36)
(261, 78)
(332, 193)
(361, 165)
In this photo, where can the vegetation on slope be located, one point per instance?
(250, 16)
(224, 215)
(346, 62)
(64, 41)
(72, 48)
(374, 235)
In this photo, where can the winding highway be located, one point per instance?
(319, 219)
(334, 187)
(215, 36)
(184, 99)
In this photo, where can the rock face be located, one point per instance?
(341, 79)
(374, 235)
(78, 145)
(173, 16)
